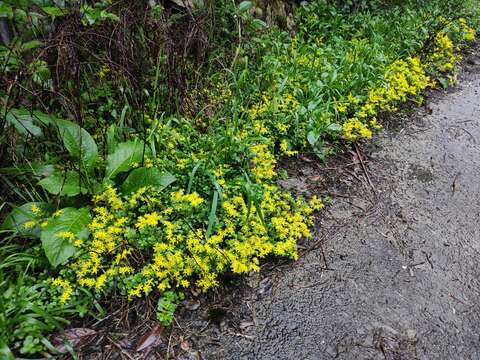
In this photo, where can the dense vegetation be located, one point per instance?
(140, 140)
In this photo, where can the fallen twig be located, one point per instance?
(121, 349)
(466, 131)
(454, 182)
(310, 285)
(364, 168)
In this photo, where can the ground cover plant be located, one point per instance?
(136, 165)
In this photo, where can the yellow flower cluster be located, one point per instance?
(354, 129)
(263, 162)
(175, 249)
(154, 241)
(36, 210)
(65, 288)
(147, 220)
(29, 224)
(285, 148)
(192, 199)
(444, 54)
(271, 114)
(403, 80)
(468, 32)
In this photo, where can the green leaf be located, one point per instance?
(258, 24)
(30, 45)
(6, 10)
(312, 138)
(22, 214)
(111, 138)
(212, 218)
(141, 177)
(78, 142)
(63, 183)
(334, 127)
(53, 11)
(124, 155)
(244, 6)
(23, 122)
(43, 118)
(57, 248)
(5, 352)
(37, 169)
(192, 176)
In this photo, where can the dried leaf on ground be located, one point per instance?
(71, 337)
(151, 338)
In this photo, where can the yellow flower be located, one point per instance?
(263, 162)
(353, 129)
(29, 225)
(57, 213)
(65, 287)
(468, 32)
(194, 199)
(68, 235)
(341, 107)
(316, 203)
(36, 210)
(180, 197)
(148, 163)
(148, 220)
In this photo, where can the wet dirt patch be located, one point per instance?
(421, 174)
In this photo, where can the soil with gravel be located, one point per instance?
(393, 271)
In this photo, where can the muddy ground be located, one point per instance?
(393, 271)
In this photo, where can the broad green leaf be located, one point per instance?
(23, 122)
(30, 45)
(43, 118)
(5, 352)
(78, 142)
(53, 11)
(312, 138)
(6, 10)
(58, 247)
(334, 127)
(245, 6)
(63, 183)
(20, 215)
(258, 24)
(122, 158)
(141, 177)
